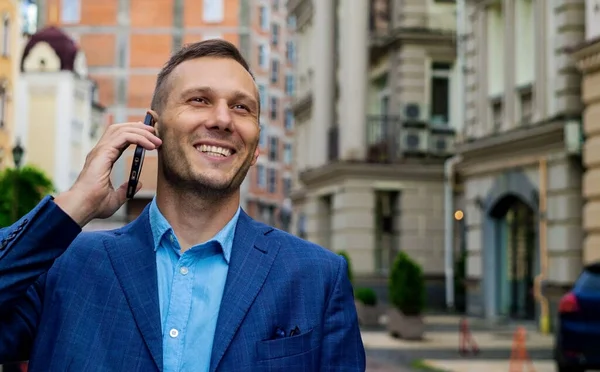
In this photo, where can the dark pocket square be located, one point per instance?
(286, 346)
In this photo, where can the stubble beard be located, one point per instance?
(175, 167)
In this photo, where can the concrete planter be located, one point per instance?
(405, 327)
(368, 316)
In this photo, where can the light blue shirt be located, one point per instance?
(190, 289)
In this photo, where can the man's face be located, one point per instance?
(209, 126)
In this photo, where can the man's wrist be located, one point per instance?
(76, 206)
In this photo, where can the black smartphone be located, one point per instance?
(138, 161)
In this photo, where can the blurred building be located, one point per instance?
(272, 56)
(59, 118)
(519, 169)
(587, 55)
(9, 74)
(374, 125)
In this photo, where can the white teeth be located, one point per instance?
(214, 150)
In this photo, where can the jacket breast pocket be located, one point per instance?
(287, 346)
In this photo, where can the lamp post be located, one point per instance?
(17, 153)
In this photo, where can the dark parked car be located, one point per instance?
(577, 344)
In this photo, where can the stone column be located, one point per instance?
(354, 74)
(510, 69)
(588, 58)
(323, 86)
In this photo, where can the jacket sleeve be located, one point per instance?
(342, 346)
(28, 249)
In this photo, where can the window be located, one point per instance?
(262, 56)
(213, 11)
(262, 139)
(262, 93)
(264, 18)
(440, 93)
(289, 119)
(497, 114)
(213, 36)
(6, 36)
(273, 108)
(272, 180)
(275, 34)
(291, 22)
(287, 187)
(287, 153)
(70, 11)
(289, 84)
(273, 149)
(274, 71)
(261, 177)
(2, 109)
(290, 52)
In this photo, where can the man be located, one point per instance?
(193, 284)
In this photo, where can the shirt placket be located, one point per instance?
(178, 313)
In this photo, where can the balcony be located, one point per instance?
(418, 23)
(390, 139)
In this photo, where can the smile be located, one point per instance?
(214, 150)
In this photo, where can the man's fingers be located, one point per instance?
(121, 193)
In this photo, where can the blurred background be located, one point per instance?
(457, 137)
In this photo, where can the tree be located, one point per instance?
(20, 191)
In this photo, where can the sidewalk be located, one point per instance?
(439, 350)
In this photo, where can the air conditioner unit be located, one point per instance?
(414, 140)
(441, 143)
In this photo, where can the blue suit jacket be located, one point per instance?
(94, 306)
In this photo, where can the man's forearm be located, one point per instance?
(29, 247)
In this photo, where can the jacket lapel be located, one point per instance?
(132, 255)
(252, 256)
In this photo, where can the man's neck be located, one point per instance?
(194, 220)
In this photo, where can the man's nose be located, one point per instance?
(221, 117)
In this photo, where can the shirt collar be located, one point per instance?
(161, 227)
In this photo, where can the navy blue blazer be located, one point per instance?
(88, 301)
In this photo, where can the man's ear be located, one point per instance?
(156, 122)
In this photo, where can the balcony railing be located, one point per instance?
(390, 139)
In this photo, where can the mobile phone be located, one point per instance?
(138, 161)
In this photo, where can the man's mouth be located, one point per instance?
(214, 150)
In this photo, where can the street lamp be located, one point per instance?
(17, 153)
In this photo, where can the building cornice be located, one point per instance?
(302, 104)
(409, 171)
(587, 55)
(537, 136)
(302, 10)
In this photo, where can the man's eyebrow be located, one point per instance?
(236, 95)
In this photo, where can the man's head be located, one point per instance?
(207, 112)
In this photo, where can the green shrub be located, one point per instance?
(407, 285)
(347, 257)
(366, 295)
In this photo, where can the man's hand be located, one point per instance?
(93, 195)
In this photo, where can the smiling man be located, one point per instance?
(193, 284)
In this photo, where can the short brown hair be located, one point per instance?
(207, 48)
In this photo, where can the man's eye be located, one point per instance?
(241, 107)
(199, 100)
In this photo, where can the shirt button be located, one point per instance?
(184, 270)
(173, 333)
